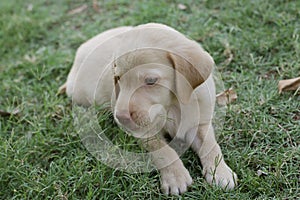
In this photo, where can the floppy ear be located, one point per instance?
(192, 67)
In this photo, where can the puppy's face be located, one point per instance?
(147, 82)
(143, 95)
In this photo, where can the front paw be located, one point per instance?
(221, 176)
(175, 178)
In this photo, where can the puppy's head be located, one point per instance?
(148, 82)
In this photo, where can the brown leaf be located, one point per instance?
(226, 97)
(8, 114)
(289, 85)
(78, 10)
(62, 89)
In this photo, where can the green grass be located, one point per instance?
(41, 155)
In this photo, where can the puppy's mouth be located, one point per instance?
(139, 128)
(142, 124)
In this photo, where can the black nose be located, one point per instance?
(123, 117)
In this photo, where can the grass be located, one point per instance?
(41, 154)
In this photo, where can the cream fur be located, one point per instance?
(180, 102)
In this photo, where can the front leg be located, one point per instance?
(215, 169)
(175, 178)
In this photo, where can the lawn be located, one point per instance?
(41, 154)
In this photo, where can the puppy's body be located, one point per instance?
(148, 74)
(87, 67)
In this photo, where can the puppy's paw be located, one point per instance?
(175, 178)
(221, 176)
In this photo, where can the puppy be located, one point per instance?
(155, 81)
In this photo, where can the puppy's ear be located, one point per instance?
(192, 67)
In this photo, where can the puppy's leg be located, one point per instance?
(215, 169)
(175, 178)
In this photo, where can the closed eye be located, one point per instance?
(151, 80)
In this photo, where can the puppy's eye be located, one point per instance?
(150, 80)
(118, 78)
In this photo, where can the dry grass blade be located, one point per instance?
(78, 10)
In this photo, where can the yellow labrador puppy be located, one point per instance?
(155, 81)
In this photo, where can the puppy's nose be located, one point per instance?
(123, 117)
